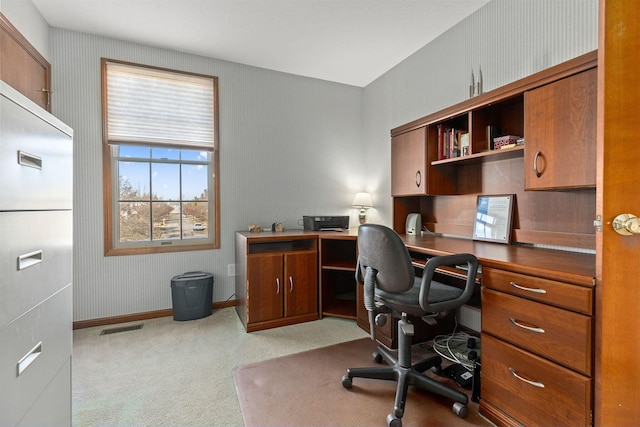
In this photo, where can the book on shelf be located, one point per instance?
(465, 147)
(449, 142)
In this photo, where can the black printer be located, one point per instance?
(318, 223)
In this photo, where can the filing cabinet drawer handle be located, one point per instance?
(533, 383)
(29, 260)
(29, 358)
(536, 290)
(528, 328)
(29, 160)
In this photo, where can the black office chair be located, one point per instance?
(388, 275)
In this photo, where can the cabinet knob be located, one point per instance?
(626, 224)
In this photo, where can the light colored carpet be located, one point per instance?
(179, 373)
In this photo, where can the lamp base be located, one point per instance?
(363, 216)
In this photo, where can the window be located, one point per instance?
(160, 159)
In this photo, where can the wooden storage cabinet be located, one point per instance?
(560, 132)
(23, 67)
(411, 171)
(537, 350)
(409, 163)
(277, 279)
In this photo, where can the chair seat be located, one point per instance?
(409, 301)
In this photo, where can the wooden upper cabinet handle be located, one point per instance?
(535, 164)
(418, 178)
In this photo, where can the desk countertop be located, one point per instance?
(572, 267)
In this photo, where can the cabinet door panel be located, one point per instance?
(23, 67)
(560, 133)
(264, 287)
(408, 163)
(301, 283)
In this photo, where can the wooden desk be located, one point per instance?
(537, 330)
(537, 313)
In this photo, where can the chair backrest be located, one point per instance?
(380, 248)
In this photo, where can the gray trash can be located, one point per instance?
(192, 294)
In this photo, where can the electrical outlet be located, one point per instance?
(231, 269)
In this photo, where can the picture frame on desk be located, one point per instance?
(494, 214)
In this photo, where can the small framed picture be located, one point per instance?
(493, 218)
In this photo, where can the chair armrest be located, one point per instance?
(427, 277)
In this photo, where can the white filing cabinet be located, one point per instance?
(36, 235)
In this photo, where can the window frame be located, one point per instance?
(112, 245)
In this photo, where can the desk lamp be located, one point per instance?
(363, 202)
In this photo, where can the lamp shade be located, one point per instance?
(362, 200)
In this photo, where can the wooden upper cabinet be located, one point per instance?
(409, 163)
(23, 68)
(560, 134)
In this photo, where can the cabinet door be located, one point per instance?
(301, 283)
(23, 68)
(408, 163)
(560, 134)
(264, 287)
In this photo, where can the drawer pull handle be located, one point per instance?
(29, 358)
(536, 290)
(29, 260)
(291, 284)
(528, 328)
(277, 285)
(533, 383)
(29, 160)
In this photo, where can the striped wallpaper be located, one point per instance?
(291, 145)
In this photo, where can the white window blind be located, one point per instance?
(157, 107)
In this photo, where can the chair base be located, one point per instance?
(405, 374)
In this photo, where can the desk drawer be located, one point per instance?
(34, 348)
(35, 258)
(554, 333)
(555, 396)
(574, 297)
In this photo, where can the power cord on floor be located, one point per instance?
(454, 347)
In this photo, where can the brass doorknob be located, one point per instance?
(626, 224)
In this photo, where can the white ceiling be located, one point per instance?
(346, 41)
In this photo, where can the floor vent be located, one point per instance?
(121, 329)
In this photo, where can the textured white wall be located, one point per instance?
(289, 147)
(508, 39)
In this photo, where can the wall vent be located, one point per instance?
(121, 329)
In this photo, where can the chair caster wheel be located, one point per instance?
(460, 410)
(377, 357)
(346, 382)
(393, 421)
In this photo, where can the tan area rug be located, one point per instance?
(305, 389)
